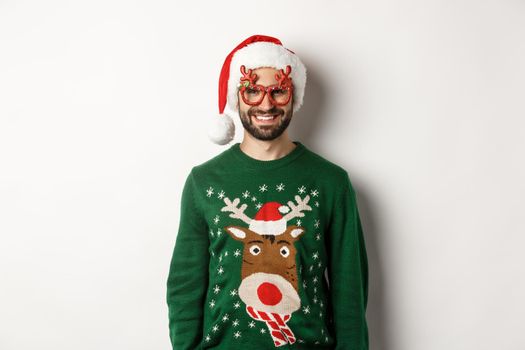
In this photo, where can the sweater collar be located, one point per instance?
(253, 163)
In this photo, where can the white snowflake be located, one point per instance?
(315, 255)
(212, 303)
(208, 338)
(251, 324)
(221, 195)
(306, 309)
(318, 237)
(311, 267)
(235, 323)
(237, 305)
(216, 219)
(211, 233)
(225, 318)
(320, 314)
(280, 187)
(219, 232)
(209, 192)
(220, 270)
(302, 189)
(315, 290)
(258, 206)
(215, 328)
(298, 223)
(233, 292)
(325, 338)
(319, 264)
(314, 193)
(254, 199)
(263, 330)
(263, 188)
(245, 194)
(237, 334)
(317, 223)
(300, 340)
(220, 258)
(321, 304)
(315, 279)
(304, 284)
(237, 253)
(216, 289)
(316, 203)
(315, 300)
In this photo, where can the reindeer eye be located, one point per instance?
(255, 250)
(285, 251)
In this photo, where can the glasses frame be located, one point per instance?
(266, 90)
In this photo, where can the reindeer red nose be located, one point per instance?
(269, 294)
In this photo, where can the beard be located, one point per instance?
(266, 132)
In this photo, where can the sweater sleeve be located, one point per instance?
(348, 273)
(187, 281)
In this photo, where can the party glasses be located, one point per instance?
(253, 94)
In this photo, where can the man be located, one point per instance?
(270, 250)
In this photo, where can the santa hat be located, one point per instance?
(268, 220)
(254, 52)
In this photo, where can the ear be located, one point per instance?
(296, 231)
(237, 232)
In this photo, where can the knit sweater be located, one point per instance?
(269, 254)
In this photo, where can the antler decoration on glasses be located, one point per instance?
(248, 76)
(283, 78)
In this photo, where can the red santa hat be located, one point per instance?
(268, 220)
(254, 52)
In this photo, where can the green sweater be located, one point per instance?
(269, 254)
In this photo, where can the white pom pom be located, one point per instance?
(284, 209)
(222, 129)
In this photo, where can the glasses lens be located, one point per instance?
(281, 94)
(253, 94)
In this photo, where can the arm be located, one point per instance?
(188, 275)
(348, 273)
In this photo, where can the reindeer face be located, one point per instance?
(269, 271)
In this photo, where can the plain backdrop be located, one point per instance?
(104, 107)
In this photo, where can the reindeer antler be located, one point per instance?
(237, 213)
(283, 78)
(302, 204)
(248, 76)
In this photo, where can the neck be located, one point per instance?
(267, 150)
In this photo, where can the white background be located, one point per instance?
(103, 111)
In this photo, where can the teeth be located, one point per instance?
(265, 118)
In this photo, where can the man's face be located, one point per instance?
(263, 128)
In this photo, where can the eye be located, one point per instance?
(284, 251)
(255, 250)
(251, 91)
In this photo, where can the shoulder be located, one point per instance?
(327, 169)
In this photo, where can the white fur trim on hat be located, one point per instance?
(262, 227)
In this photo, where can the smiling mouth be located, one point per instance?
(266, 118)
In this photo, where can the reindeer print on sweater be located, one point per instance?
(269, 283)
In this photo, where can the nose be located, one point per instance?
(269, 294)
(265, 103)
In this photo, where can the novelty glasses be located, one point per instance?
(279, 94)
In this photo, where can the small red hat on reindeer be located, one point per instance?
(268, 220)
(254, 52)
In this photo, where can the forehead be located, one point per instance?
(266, 75)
